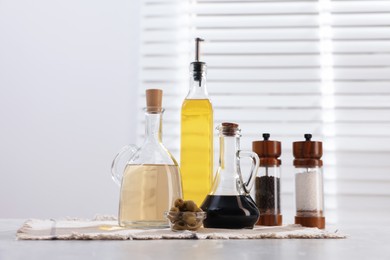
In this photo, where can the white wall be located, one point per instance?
(68, 75)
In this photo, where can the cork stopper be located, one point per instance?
(154, 100)
(268, 151)
(229, 129)
(307, 153)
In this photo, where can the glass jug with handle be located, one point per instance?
(229, 204)
(149, 176)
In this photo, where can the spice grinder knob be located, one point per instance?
(307, 153)
(268, 151)
(308, 137)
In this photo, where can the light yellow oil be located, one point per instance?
(147, 191)
(196, 152)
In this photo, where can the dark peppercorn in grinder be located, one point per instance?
(267, 188)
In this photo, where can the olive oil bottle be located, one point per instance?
(196, 153)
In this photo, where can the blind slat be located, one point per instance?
(287, 115)
(360, 6)
(243, 22)
(256, 8)
(279, 88)
(239, 35)
(361, 20)
(237, 48)
(244, 61)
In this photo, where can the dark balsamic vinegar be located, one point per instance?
(230, 211)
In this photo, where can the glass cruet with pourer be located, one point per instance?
(229, 204)
(149, 176)
(196, 149)
(309, 183)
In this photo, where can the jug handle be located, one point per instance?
(247, 186)
(116, 169)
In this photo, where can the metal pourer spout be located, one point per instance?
(197, 48)
(198, 67)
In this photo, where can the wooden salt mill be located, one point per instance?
(309, 188)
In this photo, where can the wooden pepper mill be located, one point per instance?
(267, 188)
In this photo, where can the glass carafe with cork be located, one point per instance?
(309, 188)
(229, 204)
(267, 185)
(149, 176)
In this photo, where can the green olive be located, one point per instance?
(174, 209)
(180, 225)
(196, 226)
(190, 218)
(190, 205)
(179, 203)
(198, 209)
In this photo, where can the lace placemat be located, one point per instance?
(106, 228)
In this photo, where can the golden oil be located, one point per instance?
(196, 153)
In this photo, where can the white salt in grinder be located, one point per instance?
(309, 188)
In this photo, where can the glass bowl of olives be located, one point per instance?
(185, 215)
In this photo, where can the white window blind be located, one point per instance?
(286, 67)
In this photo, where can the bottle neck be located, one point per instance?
(229, 145)
(198, 89)
(153, 126)
(226, 182)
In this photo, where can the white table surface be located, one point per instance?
(364, 242)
